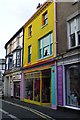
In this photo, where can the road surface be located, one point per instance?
(19, 112)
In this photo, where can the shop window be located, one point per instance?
(44, 18)
(73, 85)
(29, 89)
(33, 88)
(37, 89)
(29, 53)
(45, 46)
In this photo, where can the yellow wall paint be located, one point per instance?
(37, 33)
(37, 103)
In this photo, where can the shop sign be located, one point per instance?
(16, 77)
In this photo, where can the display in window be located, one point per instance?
(37, 90)
(29, 89)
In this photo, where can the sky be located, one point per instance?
(13, 15)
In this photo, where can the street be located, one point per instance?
(16, 111)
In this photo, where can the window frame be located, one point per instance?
(10, 62)
(78, 37)
(69, 83)
(18, 40)
(49, 45)
(14, 60)
(30, 31)
(18, 64)
(76, 31)
(45, 18)
(0, 66)
(29, 53)
(3, 66)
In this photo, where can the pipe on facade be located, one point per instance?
(55, 42)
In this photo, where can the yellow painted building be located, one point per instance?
(38, 55)
(38, 31)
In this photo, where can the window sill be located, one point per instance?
(45, 57)
(72, 48)
(44, 25)
(29, 63)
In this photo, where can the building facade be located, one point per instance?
(14, 49)
(2, 69)
(38, 72)
(68, 55)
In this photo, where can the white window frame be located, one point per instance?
(14, 59)
(75, 32)
(7, 60)
(18, 58)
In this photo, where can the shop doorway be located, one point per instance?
(17, 90)
(46, 80)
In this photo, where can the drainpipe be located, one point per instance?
(55, 30)
(55, 27)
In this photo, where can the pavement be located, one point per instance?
(60, 113)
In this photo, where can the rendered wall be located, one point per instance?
(37, 32)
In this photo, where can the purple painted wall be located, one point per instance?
(60, 85)
(22, 87)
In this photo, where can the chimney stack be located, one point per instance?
(39, 5)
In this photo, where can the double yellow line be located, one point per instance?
(42, 115)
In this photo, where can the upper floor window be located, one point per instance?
(3, 66)
(7, 59)
(0, 74)
(74, 32)
(18, 41)
(29, 30)
(79, 37)
(10, 47)
(44, 18)
(46, 46)
(0, 66)
(29, 53)
(14, 59)
(18, 61)
(10, 63)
